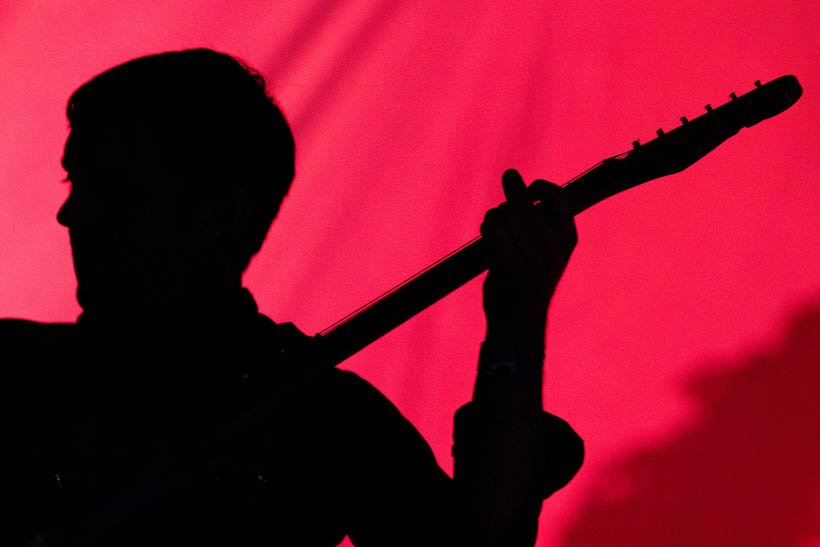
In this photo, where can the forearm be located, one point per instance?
(502, 462)
(510, 364)
(499, 461)
(500, 440)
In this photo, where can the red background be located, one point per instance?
(683, 341)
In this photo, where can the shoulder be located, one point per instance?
(26, 328)
(349, 384)
(365, 420)
(342, 408)
(386, 468)
(353, 398)
(23, 335)
(29, 349)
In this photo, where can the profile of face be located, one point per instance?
(138, 242)
(178, 164)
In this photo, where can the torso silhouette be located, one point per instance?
(178, 164)
(111, 438)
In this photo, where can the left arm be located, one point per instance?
(511, 454)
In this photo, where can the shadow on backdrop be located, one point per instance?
(746, 474)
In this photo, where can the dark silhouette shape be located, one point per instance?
(139, 424)
(746, 473)
(178, 165)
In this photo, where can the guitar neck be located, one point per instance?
(388, 311)
(669, 153)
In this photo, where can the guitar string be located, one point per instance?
(392, 290)
(396, 288)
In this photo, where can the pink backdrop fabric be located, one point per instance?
(683, 340)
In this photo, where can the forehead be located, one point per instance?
(106, 147)
(122, 164)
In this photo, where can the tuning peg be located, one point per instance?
(757, 83)
(708, 108)
(684, 120)
(636, 143)
(732, 96)
(659, 132)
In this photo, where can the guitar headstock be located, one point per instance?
(679, 148)
(673, 151)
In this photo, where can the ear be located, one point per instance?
(225, 213)
(241, 212)
(224, 221)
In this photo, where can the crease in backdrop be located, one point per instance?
(405, 115)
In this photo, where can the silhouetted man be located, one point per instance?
(140, 424)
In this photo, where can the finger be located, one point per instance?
(505, 257)
(555, 204)
(500, 244)
(542, 190)
(515, 190)
(489, 223)
(529, 230)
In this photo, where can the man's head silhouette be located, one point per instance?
(178, 164)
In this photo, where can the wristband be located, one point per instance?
(523, 366)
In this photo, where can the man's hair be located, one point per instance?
(212, 120)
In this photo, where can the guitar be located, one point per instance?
(668, 153)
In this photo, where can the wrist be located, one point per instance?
(508, 383)
(495, 349)
(515, 340)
